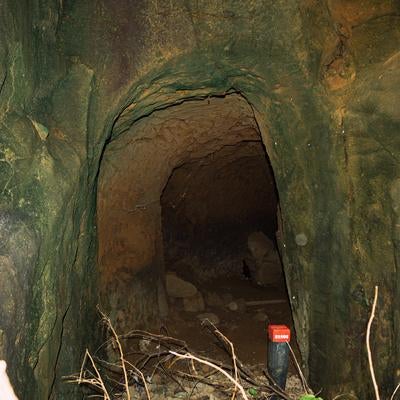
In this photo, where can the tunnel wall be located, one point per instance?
(323, 80)
(231, 189)
(134, 171)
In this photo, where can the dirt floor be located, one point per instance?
(245, 327)
(239, 308)
(216, 268)
(213, 266)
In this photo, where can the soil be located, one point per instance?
(217, 272)
(215, 266)
(245, 328)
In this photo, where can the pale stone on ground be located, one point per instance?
(194, 303)
(177, 287)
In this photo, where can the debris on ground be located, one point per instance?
(148, 366)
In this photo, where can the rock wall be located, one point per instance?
(322, 78)
(134, 171)
(232, 188)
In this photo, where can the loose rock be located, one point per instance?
(237, 305)
(194, 303)
(204, 389)
(177, 287)
(264, 262)
(259, 245)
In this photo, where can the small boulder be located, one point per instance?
(260, 245)
(264, 262)
(180, 395)
(237, 305)
(177, 287)
(204, 389)
(194, 303)
(233, 306)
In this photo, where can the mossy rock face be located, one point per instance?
(323, 81)
(17, 258)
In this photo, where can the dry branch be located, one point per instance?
(306, 387)
(162, 355)
(371, 365)
(109, 325)
(395, 391)
(95, 383)
(201, 361)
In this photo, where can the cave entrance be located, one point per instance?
(188, 193)
(219, 223)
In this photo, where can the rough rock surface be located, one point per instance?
(178, 287)
(264, 262)
(79, 78)
(260, 245)
(237, 305)
(194, 303)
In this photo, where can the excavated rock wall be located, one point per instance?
(323, 80)
(232, 188)
(134, 171)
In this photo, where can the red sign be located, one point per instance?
(278, 333)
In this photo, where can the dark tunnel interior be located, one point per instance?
(219, 223)
(187, 198)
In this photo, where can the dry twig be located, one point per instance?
(97, 382)
(395, 391)
(121, 353)
(306, 388)
(161, 355)
(140, 373)
(189, 356)
(371, 365)
(232, 353)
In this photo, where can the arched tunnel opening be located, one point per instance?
(219, 222)
(187, 226)
(136, 145)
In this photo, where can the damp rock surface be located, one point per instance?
(80, 82)
(194, 303)
(178, 287)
